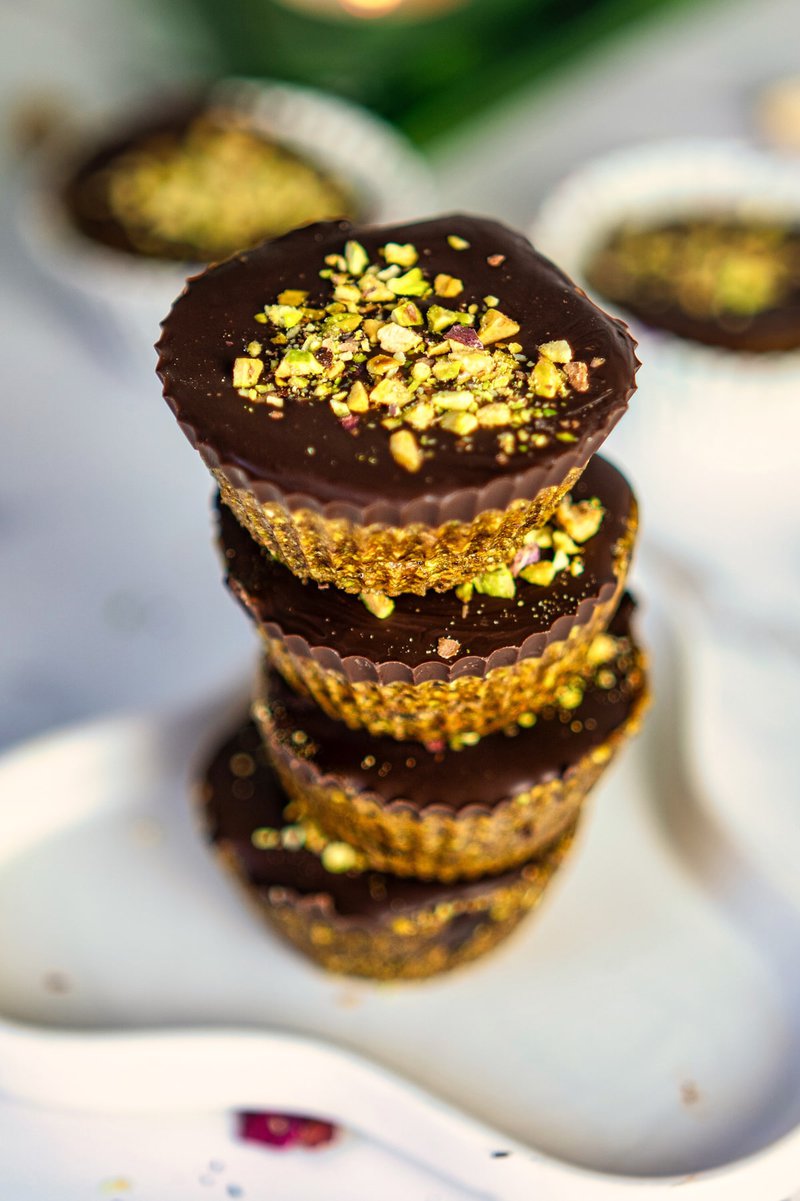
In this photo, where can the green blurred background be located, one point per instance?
(427, 65)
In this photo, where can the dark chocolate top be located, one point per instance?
(725, 281)
(235, 805)
(304, 450)
(338, 622)
(498, 767)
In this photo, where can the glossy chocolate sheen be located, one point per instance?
(213, 322)
(496, 768)
(329, 618)
(235, 805)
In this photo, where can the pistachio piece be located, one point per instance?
(338, 857)
(382, 364)
(292, 297)
(472, 363)
(396, 338)
(298, 363)
(358, 398)
(448, 648)
(581, 519)
(446, 368)
(456, 242)
(420, 370)
(498, 583)
(556, 352)
(464, 592)
(356, 258)
(413, 283)
(265, 838)
(447, 285)
(345, 323)
(456, 400)
(407, 314)
(496, 327)
(405, 450)
(420, 416)
(285, 316)
(378, 604)
(545, 379)
(246, 372)
(578, 376)
(496, 260)
(403, 254)
(494, 414)
(390, 392)
(439, 319)
(491, 302)
(459, 424)
(254, 348)
(348, 293)
(374, 290)
(542, 573)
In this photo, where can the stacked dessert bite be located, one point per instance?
(401, 422)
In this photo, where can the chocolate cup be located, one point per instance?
(338, 508)
(385, 675)
(446, 814)
(369, 924)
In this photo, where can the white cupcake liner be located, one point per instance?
(134, 293)
(710, 429)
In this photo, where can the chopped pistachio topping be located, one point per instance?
(211, 188)
(708, 267)
(381, 348)
(247, 372)
(405, 450)
(378, 603)
(548, 551)
(457, 242)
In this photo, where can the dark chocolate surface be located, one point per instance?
(235, 805)
(308, 452)
(656, 302)
(327, 617)
(498, 767)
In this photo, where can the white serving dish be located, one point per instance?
(642, 1032)
(711, 435)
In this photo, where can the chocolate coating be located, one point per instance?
(213, 321)
(235, 806)
(498, 767)
(331, 619)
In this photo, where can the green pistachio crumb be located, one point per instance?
(246, 372)
(456, 242)
(403, 254)
(356, 258)
(498, 583)
(378, 604)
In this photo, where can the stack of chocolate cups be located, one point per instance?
(402, 423)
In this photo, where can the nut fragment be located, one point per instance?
(578, 375)
(448, 648)
(460, 424)
(358, 398)
(403, 254)
(457, 242)
(405, 450)
(393, 338)
(496, 327)
(556, 352)
(246, 372)
(298, 363)
(378, 604)
(447, 285)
